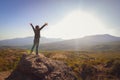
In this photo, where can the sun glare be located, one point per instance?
(77, 24)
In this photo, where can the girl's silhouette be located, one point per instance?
(37, 36)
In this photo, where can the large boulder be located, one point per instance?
(32, 67)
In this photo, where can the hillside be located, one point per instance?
(9, 58)
(86, 65)
(102, 42)
(90, 65)
(95, 42)
(26, 41)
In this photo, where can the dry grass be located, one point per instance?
(9, 58)
(94, 65)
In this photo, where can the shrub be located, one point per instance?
(87, 70)
(115, 69)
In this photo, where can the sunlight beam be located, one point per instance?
(77, 24)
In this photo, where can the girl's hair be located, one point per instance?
(37, 27)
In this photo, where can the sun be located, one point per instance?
(77, 24)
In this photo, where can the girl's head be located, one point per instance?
(37, 27)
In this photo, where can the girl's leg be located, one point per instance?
(37, 47)
(32, 47)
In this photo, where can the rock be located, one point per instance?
(32, 67)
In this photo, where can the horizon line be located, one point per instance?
(58, 37)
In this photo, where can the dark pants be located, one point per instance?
(36, 44)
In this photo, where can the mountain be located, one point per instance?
(102, 38)
(26, 41)
(32, 67)
(94, 42)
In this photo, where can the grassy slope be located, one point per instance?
(9, 58)
(8, 61)
(92, 65)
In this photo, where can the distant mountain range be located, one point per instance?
(93, 42)
(26, 41)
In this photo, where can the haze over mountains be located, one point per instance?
(26, 41)
(93, 42)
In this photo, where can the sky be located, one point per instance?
(67, 19)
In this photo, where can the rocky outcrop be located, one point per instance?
(32, 67)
